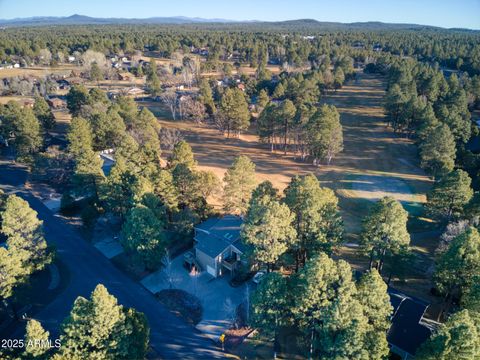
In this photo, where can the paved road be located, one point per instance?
(171, 337)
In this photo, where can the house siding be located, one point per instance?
(204, 260)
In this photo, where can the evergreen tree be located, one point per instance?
(457, 339)
(99, 328)
(286, 114)
(270, 304)
(76, 98)
(437, 151)
(239, 183)
(182, 154)
(28, 137)
(36, 341)
(268, 228)
(372, 294)
(449, 195)
(324, 134)
(459, 266)
(96, 74)
(206, 97)
(262, 100)
(153, 83)
(234, 112)
(142, 235)
(26, 248)
(317, 219)
(385, 231)
(164, 188)
(88, 173)
(43, 113)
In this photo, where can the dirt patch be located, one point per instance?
(182, 304)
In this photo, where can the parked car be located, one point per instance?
(259, 276)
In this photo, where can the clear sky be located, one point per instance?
(444, 13)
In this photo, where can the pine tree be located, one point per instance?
(317, 219)
(182, 154)
(459, 266)
(99, 328)
(385, 231)
(36, 341)
(142, 235)
(438, 151)
(457, 339)
(79, 136)
(26, 248)
(28, 137)
(239, 183)
(234, 111)
(262, 100)
(76, 98)
(88, 173)
(324, 134)
(43, 113)
(164, 188)
(372, 294)
(153, 83)
(270, 304)
(206, 97)
(268, 229)
(286, 114)
(449, 196)
(24, 233)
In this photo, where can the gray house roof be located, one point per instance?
(407, 331)
(214, 235)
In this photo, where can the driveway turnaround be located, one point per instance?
(219, 299)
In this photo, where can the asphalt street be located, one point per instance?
(170, 336)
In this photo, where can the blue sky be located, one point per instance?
(445, 13)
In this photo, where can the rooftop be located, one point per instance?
(407, 331)
(216, 234)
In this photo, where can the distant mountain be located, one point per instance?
(304, 24)
(87, 20)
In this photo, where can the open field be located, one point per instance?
(39, 71)
(374, 163)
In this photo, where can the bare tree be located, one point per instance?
(167, 263)
(193, 109)
(169, 137)
(170, 98)
(45, 56)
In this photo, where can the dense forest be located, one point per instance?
(306, 41)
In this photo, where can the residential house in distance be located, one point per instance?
(57, 103)
(218, 246)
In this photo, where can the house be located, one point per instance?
(28, 103)
(63, 84)
(135, 91)
(125, 76)
(57, 103)
(218, 246)
(409, 329)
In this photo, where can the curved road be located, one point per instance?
(170, 336)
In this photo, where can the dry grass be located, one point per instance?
(375, 163)
(38, 71)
